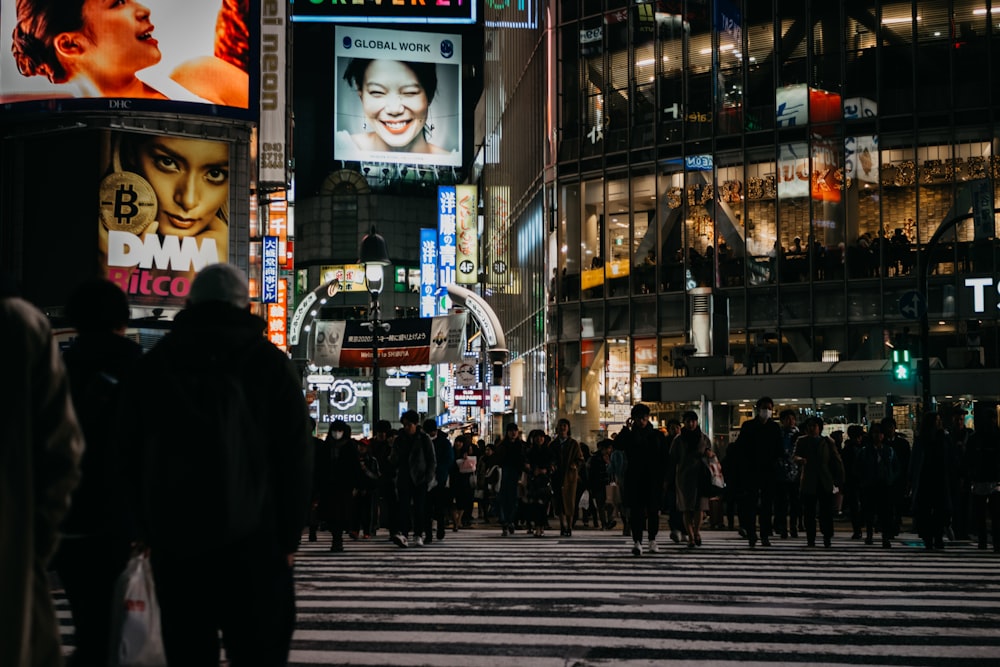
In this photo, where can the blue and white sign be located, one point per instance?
(447, 209)
(428, 272)
(269, 270)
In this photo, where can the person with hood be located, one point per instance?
(688, 453)
(758, 448)
(209, 580)
(647, 455)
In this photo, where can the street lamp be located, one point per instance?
(374, 255)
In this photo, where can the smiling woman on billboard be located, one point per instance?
(110, 48)
(398, 98)
(395, 98)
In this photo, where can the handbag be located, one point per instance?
(715, 466)
(613, 494)
(135, 621)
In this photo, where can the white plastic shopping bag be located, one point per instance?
(135, 631)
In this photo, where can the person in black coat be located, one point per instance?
(337, 475)
(929, 479)
(242, 586)
(982, 460)
(647, 454)
(94, 549)
(439, 496)
(759, 447)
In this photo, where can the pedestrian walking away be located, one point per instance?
(220, 486)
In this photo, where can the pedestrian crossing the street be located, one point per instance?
(477, 598)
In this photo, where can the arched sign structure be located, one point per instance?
(306, 312)
(487, 319)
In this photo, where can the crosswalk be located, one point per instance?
(482, 599)
(478, 598)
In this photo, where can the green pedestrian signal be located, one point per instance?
(901, 365)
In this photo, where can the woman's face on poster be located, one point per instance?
(118, 37)
(191, 181)
(394, 103)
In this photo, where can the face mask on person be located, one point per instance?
(764, 414)
(337, 435)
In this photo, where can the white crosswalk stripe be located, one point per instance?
(477, 598)
(482, 599)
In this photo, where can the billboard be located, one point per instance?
(398, 97)
(185, 56)
(273, 152)
(405, 342)
(383, 11)
(164, 213)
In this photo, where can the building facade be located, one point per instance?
(745, 194)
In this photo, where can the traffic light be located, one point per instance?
(901, 365)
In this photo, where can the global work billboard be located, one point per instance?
(398, 97)
(184, 56)
(164, 213)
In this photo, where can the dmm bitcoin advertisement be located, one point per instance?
(164, 213)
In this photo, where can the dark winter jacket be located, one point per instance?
(273, 390)
(97, 363)
(760, 447)
(647, 454)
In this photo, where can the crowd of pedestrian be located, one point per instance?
(780, 478)
(219, 495)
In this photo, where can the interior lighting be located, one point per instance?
(903, 19)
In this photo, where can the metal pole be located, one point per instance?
(376, 327)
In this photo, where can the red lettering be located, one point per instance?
(180, 286)
(147, 283)
(119, 277)
(158, 286)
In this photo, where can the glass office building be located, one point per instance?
(748, 194)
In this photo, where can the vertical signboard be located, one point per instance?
(428, 272)
(269, 270)
(273, 133)
(466, 234)
(164, 213)
(446, 238)
(277, 316)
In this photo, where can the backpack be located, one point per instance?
(204, 472)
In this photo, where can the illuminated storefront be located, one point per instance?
(749, 186)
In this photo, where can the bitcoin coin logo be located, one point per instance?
(128, 203)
